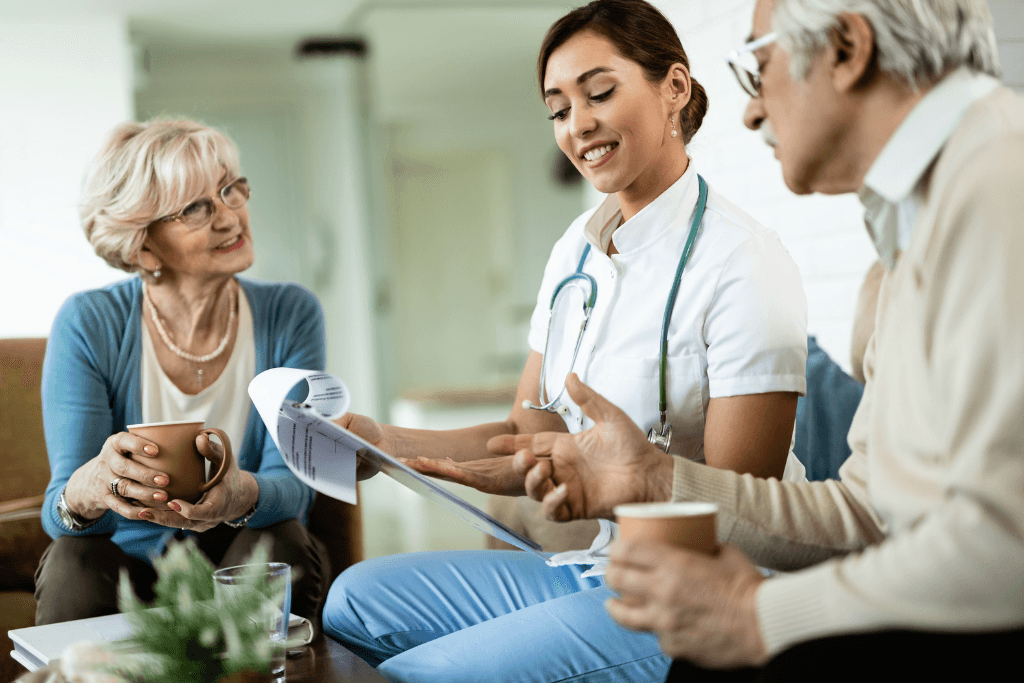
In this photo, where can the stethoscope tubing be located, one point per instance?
(665, 436)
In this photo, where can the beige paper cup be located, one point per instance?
(685, 525)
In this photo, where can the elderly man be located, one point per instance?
(920, 544)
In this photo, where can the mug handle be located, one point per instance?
(225, 461)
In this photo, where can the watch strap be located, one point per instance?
(71, 520)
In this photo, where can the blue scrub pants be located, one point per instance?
(494, 615)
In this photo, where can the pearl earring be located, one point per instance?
(156, 274)
(672, 121)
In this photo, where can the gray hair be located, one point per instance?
(917, 41)
(146, 171)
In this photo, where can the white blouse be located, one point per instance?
(739, 325)
(223, 404)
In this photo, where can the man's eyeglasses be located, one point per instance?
(199, 213)
(744, 64)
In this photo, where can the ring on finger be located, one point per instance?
(113, 487)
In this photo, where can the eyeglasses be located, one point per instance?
(199, 213)
(744, 64)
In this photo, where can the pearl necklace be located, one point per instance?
(183, 354)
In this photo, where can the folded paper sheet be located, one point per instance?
(323, 455)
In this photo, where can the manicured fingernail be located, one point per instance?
(146, 514)
(151, 449)
(560, 489)
(161, 480)
(159, 495)
(174, 506)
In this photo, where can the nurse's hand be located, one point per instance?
(367, 429)
(585, 475)
(490, 475)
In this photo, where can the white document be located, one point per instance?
(323, 455)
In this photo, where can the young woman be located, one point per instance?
(732, 341)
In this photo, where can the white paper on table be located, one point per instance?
(323, 455)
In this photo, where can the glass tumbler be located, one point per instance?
(270, 608)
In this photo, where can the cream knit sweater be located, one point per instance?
(925, 528)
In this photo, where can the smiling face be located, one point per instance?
(611, 121)
(223, 247)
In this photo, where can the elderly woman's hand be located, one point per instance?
(233, 497)
(88, 492)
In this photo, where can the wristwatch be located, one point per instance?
(243, 520)
(70, 519)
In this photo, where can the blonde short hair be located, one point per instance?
(146, 171)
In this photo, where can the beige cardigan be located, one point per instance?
(926, 527)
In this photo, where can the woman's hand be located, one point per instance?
(88, 491)
(367, 429)
(230, 499)
(495, 475)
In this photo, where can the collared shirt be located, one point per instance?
(739, 325)
(891, 193)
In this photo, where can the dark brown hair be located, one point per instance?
(640, 33)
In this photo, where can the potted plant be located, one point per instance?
(186, 634)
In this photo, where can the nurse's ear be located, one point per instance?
(676, 88)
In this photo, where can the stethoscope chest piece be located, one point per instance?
(662, 440)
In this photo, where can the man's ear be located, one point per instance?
(852, 52)
(676, 86)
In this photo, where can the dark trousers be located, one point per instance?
(885, 655)
(77, 575)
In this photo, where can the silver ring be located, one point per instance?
(113, 487)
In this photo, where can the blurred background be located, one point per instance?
(402, 167)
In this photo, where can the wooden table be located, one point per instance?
(327, 661)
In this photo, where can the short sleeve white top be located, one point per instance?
(739, 324)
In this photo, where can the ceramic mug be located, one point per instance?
(685, 525)
(180, 460)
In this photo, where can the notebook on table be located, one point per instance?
(37, 646)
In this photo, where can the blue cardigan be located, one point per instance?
(91, 388)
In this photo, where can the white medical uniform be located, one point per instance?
(739, 325)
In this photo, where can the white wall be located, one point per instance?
(63, 86)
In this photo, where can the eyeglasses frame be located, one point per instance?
(749, 80)
(220, 193)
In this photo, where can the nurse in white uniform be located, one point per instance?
(734, 350)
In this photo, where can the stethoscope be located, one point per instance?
(663, 438)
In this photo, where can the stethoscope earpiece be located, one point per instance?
(562, 410)
(527, 405)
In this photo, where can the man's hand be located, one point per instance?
(491, 475)
(701, 608)
(590, 473)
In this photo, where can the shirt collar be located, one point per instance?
(649, 222)
(898, 170)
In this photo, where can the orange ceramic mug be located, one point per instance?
(180, 459)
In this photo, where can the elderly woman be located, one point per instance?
(166, 199)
